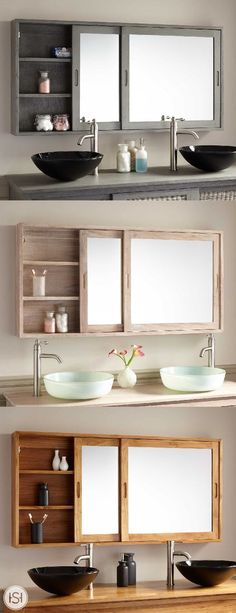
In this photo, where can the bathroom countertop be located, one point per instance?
(143, 394)
(37, 185)
(150, 591)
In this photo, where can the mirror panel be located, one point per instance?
(100, 489)
(170, 75)
(104, 281)
(169, 490)
(171, 281)
(99, 76)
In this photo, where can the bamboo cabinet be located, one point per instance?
(120, 282)
(117, 489)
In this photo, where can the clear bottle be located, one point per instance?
(43, 123)
(123, 158)
(133, 150)
(61, 319)
(44, 83)
(61, 122)
(49, 323)
(141, 158)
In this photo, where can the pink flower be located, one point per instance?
(136, 352)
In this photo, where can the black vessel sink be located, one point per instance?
(67, 165)
(210, 158)
(63, 580)
(207, 572)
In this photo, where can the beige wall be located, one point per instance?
(15, 152)
(16, 358)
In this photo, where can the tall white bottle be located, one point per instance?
(56, 460)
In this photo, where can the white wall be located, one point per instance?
(15, 152)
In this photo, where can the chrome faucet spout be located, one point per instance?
(210, 350)
(93, 137)
(171, 554)
(38, 356)
(174, 132)
(88, 558)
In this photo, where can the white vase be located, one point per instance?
(64, 464)
(56, 460)
(127, 377)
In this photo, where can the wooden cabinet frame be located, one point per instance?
(32, 453)
(63, 252)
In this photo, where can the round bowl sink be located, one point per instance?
(78, 385)
(67, 165)
(209, 158)
(63, 580)
(192, 378)
(207, 572)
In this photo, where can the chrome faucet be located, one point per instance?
(38, 355)
(171, 554)
(210, 350)
(88, 557)
(174, 138)
(93, 136)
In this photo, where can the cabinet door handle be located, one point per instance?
(84, 280)
(126, 78)
(76, 77)
(78, 489)
(125, 489)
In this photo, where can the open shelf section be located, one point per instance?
(50, 298)
(53, 60)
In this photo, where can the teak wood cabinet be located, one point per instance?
(95, 500)
(116, 281)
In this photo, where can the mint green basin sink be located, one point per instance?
(78, 385)
(192, 378)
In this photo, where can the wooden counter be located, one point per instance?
(146, 597)
(143, 394)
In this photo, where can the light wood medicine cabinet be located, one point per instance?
(122, 489)
(124, 282)
(127, 76)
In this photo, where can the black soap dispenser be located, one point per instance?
(129, 559)
(122, 573)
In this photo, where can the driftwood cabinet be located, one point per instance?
(115, 489)
(117, 281)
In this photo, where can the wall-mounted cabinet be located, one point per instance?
(121, 281)
(143, 489)
(110, 75)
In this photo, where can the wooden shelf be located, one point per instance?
(50, 298)
(46, 472)
(55, 507)
(54, 60)
(45, 96)
(48, 263)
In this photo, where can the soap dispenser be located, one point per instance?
(141, 158)
(122, 573)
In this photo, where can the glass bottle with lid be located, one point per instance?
(123, 158)
(49, 323)
(61, 319)
(61, 122)
(43, 82)
(43, 123)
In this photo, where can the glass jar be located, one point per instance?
(61, 319)
(49, 323)
(44, 83)
(61, 122)
(123, 158)
(43, 123)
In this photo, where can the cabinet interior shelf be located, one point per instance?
(55, 60)
(48, 263)
(45, 95)
(50, 298)
(46, 472)
(50, 507)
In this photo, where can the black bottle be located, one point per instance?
(43, 494)
(122, 573)
(128, 557)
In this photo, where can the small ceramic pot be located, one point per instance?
(127, 377)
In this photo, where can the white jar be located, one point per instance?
(61, 319)
(123, 158)
(43, 123)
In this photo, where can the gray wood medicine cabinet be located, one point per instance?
(127, 76)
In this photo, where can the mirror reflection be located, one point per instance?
(100, 501)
